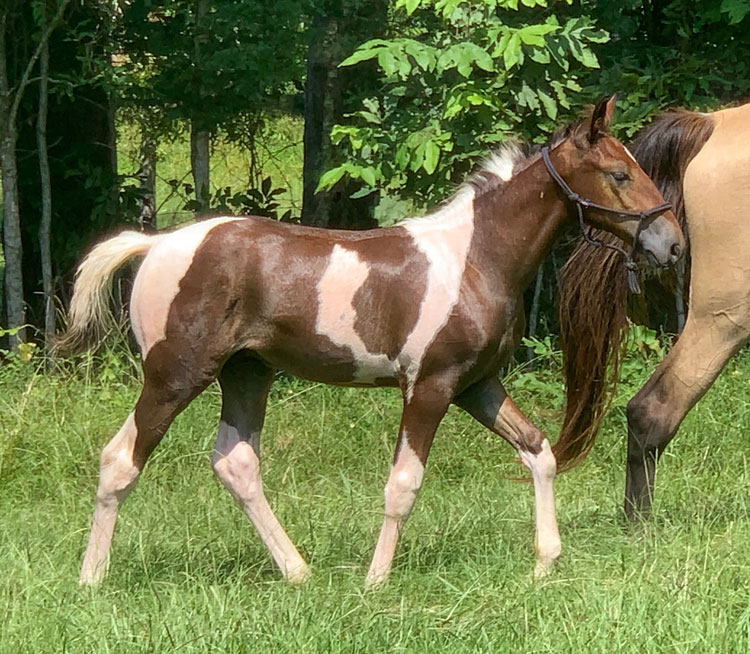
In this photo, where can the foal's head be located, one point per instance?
(600, 169)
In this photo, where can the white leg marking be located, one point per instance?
(547, 541)
(117, 477)
(341, 280)
(401, 493)
(236, 464)
(444, 238)
(158, 280)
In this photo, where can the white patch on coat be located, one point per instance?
(630, 154)
(444, 238)
(343, 277)
(158, 280)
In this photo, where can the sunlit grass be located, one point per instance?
(188, 573)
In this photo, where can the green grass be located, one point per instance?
(188, 573)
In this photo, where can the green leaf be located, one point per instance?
(550, 106)
(431, 157)
(368, 175)
(368, 50)
(329, 178)
(409, 5)
(512, 54)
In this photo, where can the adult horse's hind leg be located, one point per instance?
(488, 402)
(123, 458)
(245, 382)
(682, 378)
(419, 421)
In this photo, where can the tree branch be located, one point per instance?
(12, 113)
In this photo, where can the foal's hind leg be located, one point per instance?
(236, 460)
(655, 413)
(419, 421)
(488, 402)
(124, 456)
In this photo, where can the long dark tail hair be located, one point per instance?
(593, 289)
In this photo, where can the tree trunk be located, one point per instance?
(332, 36)
(147, 182)
(199, 135)
(12, 248)
(534, 313)
(45, 222)
(199, 162)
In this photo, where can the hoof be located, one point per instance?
(298, 576)
(542, 569)
(375, 581)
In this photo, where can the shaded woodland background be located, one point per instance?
(347, 113)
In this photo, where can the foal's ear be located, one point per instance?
(597, 125)
(601, 117)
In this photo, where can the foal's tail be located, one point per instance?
(89, 317)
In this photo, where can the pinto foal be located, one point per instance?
(432, 305)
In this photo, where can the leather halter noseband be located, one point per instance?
(583, 203)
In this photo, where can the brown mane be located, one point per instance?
(593, 289)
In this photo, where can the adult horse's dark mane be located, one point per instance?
(593, 288)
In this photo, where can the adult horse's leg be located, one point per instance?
(682, 378)
(488, 402)
(245, 382)
(419, 421)
(123, 458)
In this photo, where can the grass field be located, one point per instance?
(188, 573)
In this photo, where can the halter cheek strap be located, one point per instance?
(584, 203)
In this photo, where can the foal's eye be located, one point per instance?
(620, 176)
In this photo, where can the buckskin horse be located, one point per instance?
(701, 164)
(431, 306)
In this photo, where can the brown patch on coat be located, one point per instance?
(388, 303)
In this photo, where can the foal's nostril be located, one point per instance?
(676, 250)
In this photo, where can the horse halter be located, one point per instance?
(584, 203)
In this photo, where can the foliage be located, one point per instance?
(458, 78)
(219, 69)
(667, 53)
(261, 201)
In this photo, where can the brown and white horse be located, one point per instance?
(431, 305)
(701, 163)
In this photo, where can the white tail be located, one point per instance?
(89, 314)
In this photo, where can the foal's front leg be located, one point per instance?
(488, 402)
(419, 421)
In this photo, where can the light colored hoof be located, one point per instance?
(299, 575)
(92, 578)
(542, 569)
(90, 581)
(376, 581)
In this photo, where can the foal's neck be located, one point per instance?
(515, 225)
